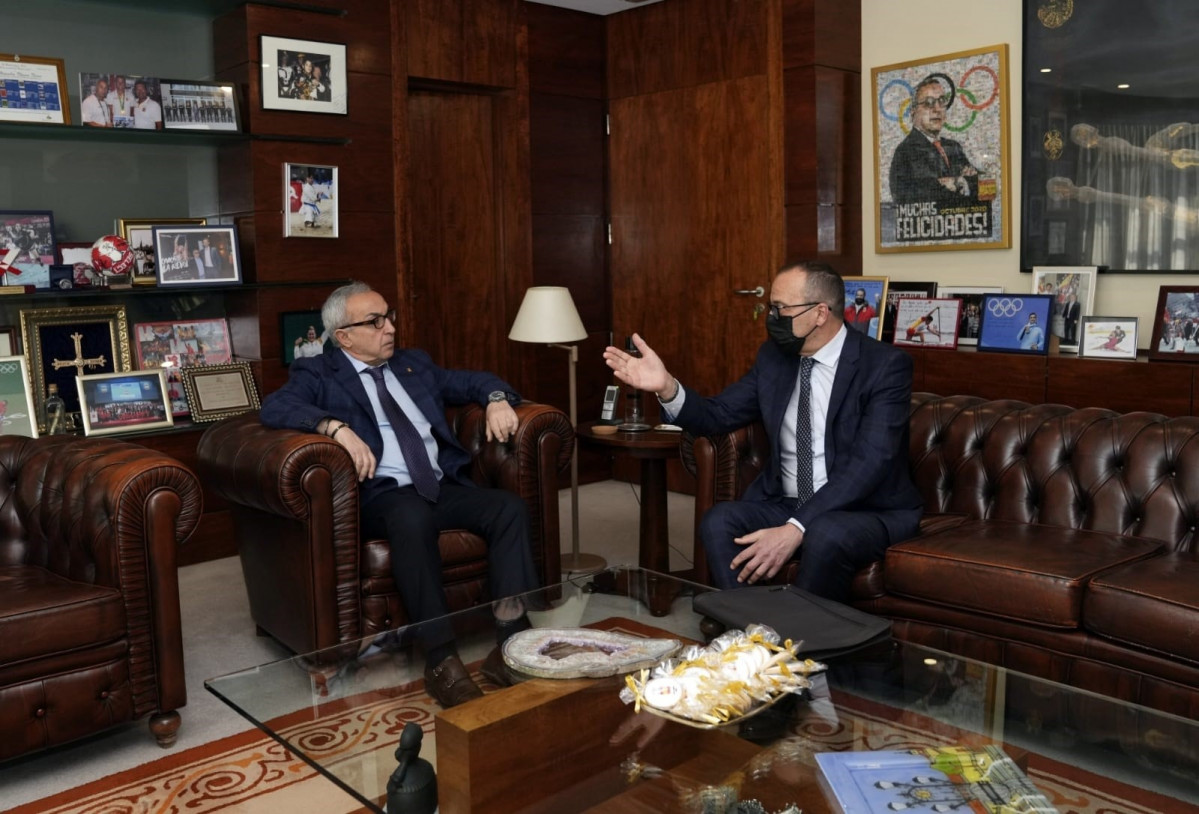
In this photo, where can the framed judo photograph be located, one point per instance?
(302, 335)
(865, 304)
(1176, 324)
(196, 255)
(1108, 338)
(303, 75)
(1015, 323)
(942, 179)
(928, 323)
(111, 403)
(971, 317)
(1073, 292)
(309, 200)
(33, 90)
(17, 413)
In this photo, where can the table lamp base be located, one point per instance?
(583, 563)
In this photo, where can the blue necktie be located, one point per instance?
(803, 434)
(411, 445)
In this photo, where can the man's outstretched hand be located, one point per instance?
(645, 373)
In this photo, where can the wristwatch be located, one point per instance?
(496, 395)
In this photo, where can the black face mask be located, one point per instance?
(779, 329)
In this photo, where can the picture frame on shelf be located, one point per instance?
(122, 106)
(139, 234)
(10, 340)
(1016, 323)
(175, 345)
(196, 255)
(1176, 324)
(302, 334)
(869, 316)
(189, 104)
(18, 415)
(303, 75)
(27, 247)
(928, 322)
(1073, 292)
(941, 133)
(56, 356)
(70, 253)
(970, 319)
(897, 290)
(130, 401)
(310, 197)
(34, 90)
(1109, 338)
(215, 392)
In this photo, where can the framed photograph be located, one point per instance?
(64, 343)
(139, 234)
(71, 253)
(1015, 323)
(120, 100)
(215, 392)
(17, 416)
(865, 299)
(302, 334)
(303, 75)
(10, 341)
(897, 290)
(941, 152)
(1108, 338)
(971, 316)
(196, 255)
(1073, 292)
(309, 200)
(1176, 324)
(191, 105)
(27, 248)
(176, 345)
(928, 323)
(33, 90)
(112, 403)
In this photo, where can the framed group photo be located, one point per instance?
(303, 75)
(64, 343)
(196, 255)
(1015, 323)
(113, 403)
(309, 200)
(1073, 292)
(139, 234)
(27, 247)
(17, 413)
(188, 104)
(302, 335)
(120, 100)
(1109, 338)
(215, 392)
(928, 323)
(1176, 324)
(33, 90)
(970, 319)
(865, 304)
(941, 152)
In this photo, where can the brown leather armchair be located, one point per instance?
(313, 583)
(89, 596)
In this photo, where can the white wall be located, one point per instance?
(898, 31)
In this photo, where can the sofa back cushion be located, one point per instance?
(1135, 473)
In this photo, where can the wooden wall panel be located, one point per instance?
(682, 44)
(566, 52)
(1158, 387)
(471, 42)
(822, 32)
(988, 375)
(566, 155)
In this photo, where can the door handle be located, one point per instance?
(756, 292)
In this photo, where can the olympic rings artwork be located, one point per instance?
(1005, 306)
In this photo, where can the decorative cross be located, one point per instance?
(79, 362)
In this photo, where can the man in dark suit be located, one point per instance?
(387, 408)
(1070, 314)
(926, 166)
(837, 490)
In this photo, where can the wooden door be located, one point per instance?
(696, 215)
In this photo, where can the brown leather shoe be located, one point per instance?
(497, 671)
(450, 684)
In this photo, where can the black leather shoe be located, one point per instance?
(450, 684)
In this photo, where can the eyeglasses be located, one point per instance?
(776, 311)
(934, 101)
(375, 322)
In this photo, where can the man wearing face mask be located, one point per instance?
(835, 404)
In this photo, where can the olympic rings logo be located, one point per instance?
(9, 367)
(1005, 306)
(898, 94)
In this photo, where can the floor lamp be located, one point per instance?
(548, 316)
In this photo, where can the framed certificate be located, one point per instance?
(33, 90)
(219, 391)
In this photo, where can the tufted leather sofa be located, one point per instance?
(89, 599)
(1057, 542)
(312, 582)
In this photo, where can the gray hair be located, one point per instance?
(333, 312)
(823, 285)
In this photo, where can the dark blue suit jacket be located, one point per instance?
(916, 166)
(328, 387)
(866, 435)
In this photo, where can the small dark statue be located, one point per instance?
(412, 788)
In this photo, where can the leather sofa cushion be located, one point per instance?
(42, 613)
(1152, 604)
(1017, 571)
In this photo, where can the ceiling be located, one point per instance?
(597, 6)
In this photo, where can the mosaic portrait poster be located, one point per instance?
(941, 153)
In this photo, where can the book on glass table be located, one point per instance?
(979, 780)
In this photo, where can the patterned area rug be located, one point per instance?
(253, 774)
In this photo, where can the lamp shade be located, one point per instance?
(548, 315)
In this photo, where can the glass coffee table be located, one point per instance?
(559, 746)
